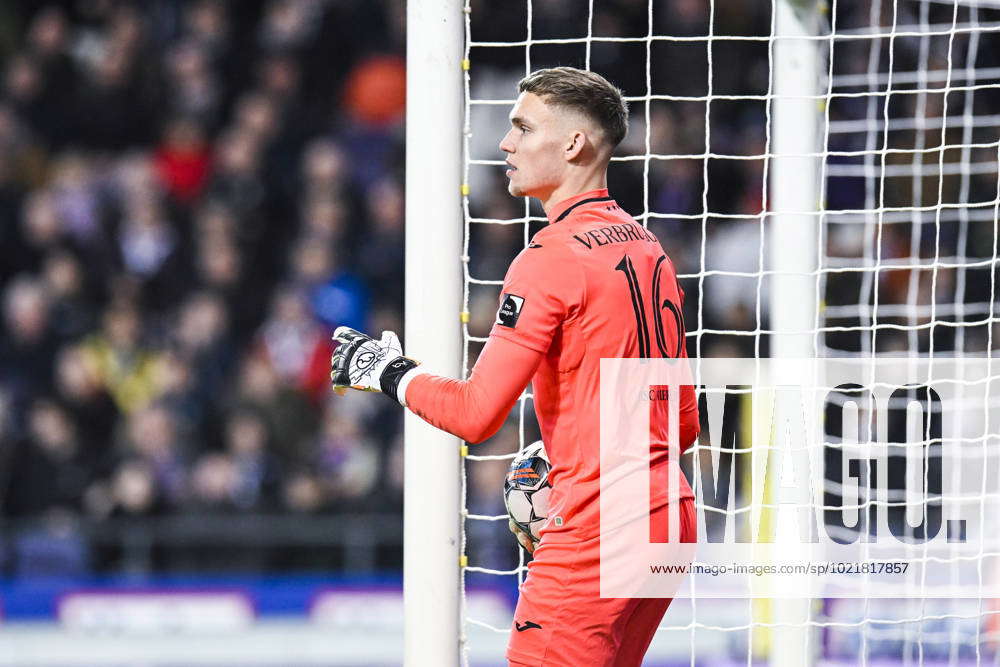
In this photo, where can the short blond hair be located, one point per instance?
(586, 92)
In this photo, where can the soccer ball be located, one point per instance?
(526, 489)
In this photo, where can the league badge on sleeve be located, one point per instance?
(510, 310)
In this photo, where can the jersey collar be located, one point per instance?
(563, 208)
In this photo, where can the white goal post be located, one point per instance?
(794, 191)
(431, 523)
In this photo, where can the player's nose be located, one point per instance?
(506, 145)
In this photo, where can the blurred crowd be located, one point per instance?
(194, 193)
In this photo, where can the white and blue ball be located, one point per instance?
(526, 489)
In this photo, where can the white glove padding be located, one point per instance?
(363, 363)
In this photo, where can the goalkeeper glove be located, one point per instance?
(363, 363)
(522, 537)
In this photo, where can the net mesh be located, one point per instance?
(909, 111)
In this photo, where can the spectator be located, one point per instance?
(284, 409)
(22, 88)
(52, 472)
(131, 372)
(182, 395)
(28, 346)
(324, 218)
(303, 492)
(336, 295)
(201, 337)
(183, 160)
(152, 436)
(288, 24)
(381, 257)
(88, 405)
(77, 202)
(208, 25)
(213, 484)
(255, 470)
(194, 89)
(132, 492)
(72, 305)
(41, 230)
(236, 181)
(346, 461)
(146, 240)
(295, 345)
(323, 168)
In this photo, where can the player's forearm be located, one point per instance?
(456, 406)
(476, 408)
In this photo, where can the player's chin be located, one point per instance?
(515, 190)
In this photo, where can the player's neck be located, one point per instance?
(572, 188)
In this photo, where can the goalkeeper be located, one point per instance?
(580, 291)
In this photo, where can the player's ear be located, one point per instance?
(575, 145)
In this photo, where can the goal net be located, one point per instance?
(905, 101)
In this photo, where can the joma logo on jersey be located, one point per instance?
(510, 310)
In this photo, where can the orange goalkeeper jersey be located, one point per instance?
(585, 288)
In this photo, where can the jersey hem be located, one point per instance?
(524, 658)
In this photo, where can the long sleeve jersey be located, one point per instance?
(592, 284)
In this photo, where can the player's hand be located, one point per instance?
(522, 537)
(363, 363)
